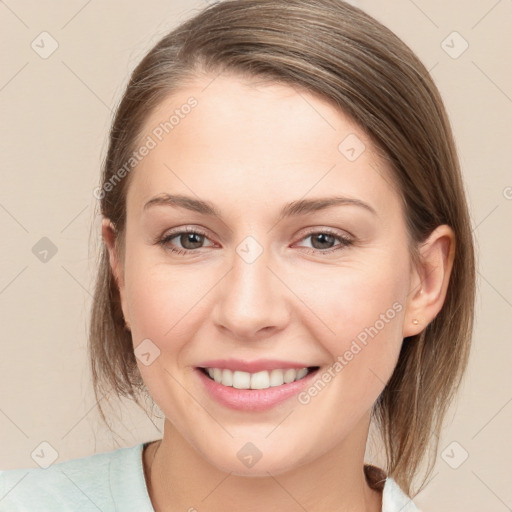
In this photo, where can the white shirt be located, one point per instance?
(110, 482)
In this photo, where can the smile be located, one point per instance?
(260, 380)
(257, 385)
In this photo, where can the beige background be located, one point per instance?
(56, 114)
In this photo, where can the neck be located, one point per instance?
(179, 478)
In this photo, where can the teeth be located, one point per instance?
(302, 373)
(276, 378)
(217, 374)
(227, 377)
(258, 380)
(241, 380)
(289, 376)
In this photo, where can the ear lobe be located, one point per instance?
(429, 280)
(108, 234)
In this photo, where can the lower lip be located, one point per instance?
(253, 399)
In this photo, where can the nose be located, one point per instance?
(252, 303)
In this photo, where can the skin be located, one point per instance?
(249, 148)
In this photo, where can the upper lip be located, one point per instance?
(257, 365)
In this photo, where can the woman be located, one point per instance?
(287, 260)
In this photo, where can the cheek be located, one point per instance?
(164, 304)
(167, 303)
(161, 298)
(361, 309)
(352, 299)
(363, 352)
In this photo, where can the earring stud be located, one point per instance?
(415, 322)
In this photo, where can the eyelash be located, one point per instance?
(345, 241)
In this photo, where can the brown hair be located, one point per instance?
(346, 57)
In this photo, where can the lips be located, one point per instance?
(254, 385)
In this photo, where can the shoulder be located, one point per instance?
(95, 482)
(395, 500)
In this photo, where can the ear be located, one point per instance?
(429, 280)
(108, 233)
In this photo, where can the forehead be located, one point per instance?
(230, 139)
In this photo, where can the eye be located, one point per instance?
(192, 239)
(322, 241)
(189, 238)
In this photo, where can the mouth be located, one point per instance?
(254, 391)
(265, 379)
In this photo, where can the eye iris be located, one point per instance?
(324, 239)
(186, 238)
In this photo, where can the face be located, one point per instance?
(298, 260)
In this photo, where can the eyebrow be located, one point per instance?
(295, 208)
